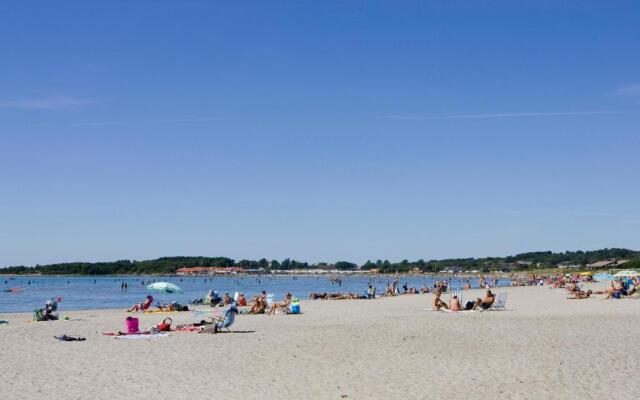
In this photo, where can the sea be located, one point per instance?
(107, 292)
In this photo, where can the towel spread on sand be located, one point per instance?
(148, 336)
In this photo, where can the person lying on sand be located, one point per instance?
(580, 295)
(142, 306)
(437, 302)
(316, 296)
(284, 305)
(455, 304)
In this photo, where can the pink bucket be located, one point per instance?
(132, 325)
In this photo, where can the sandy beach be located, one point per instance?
(543, 346)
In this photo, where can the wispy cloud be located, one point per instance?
(47, 103)
(140, 122)
(501, 115)
(628, 90)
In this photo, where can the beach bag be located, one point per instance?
(132, 325)
(165, 326)
(294, 307)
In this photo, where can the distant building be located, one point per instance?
(515, 265)
(209, 270)
(606, 264)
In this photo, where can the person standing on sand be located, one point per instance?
(394, 285)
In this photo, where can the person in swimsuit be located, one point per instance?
(485, 303)
(455, 304)
(259, 306)
(283, 305)
(437, 302)
(142, 306)
(242, 301)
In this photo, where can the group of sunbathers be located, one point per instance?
(483, 303)
(145, 306)
(619, 288)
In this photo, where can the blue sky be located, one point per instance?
(320, 131)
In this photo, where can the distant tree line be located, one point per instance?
(169, 265)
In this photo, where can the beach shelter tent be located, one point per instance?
(602, 277)
(627, 273)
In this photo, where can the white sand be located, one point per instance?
(543, 347)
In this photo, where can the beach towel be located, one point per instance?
(65, 338)
(148, 336)
(125, 333)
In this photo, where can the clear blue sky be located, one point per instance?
(320, 131)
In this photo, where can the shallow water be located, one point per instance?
(88, 292)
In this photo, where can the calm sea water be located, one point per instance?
(80, 293)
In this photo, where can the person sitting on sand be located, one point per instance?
(371, 292)
(424, 289)
(615, 291)
(318, 296)
(259, 306)
(283, 305)
(261, 297)
(455, 304)
(226, 300)
(437, 302)
(242, 301)
(142, 306)
(486, 302)
(389, 291)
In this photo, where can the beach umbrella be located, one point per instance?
(603, 277)
(627, 273)
(164, 287)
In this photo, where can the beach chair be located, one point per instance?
(223, 323)
(500, 304)
(458, 294)
(269, 300)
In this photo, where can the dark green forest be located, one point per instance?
(169, 265)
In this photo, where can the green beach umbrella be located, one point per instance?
(164, 287)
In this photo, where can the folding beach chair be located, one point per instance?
(458, 294)
(223, 323)
(269, 300)
(500, 304)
